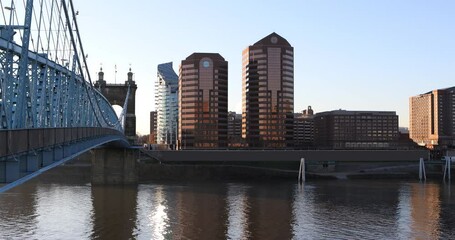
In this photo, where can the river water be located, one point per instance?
(343, 209)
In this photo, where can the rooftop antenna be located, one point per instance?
(130, 70)
(115, 76)
(100, 76)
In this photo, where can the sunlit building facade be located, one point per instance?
(304, 129)
(341, 129)
(268, 93)
(203, 99)
(432, 118)
(166, 104)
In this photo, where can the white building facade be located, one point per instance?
(166, 104)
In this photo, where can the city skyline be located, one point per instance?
(351, 55)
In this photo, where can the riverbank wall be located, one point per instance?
(210, 166)
(275, 164)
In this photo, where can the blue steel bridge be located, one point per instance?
(50, 111)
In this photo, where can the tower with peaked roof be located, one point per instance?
(268, 93)
(203, 98)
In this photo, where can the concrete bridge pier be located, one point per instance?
(114, 166)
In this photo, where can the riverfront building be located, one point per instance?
(268, 93)
(152, 136)
(166, 104)
(304, 129)
(235, 130)
(203, 115)
(432, 118)
(341, 129)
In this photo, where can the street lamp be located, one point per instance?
(11, 9)
(9, 32)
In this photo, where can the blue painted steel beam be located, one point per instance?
(39, 90)
(90, 144)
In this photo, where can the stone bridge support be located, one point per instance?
(25, 151)
(114, 166)
(116, 95)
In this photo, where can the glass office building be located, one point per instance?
(166, 104)
(203, 115)
(268, 93)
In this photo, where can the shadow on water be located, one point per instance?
(114, 211)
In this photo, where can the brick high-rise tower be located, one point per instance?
(203, 115)
(268, 93)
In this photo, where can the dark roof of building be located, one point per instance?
(345, 112)
(273, 39)
(197, 56)
(442, 89)
(166, 72)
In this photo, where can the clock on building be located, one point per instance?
(274, 40)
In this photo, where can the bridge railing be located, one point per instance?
(21, 141)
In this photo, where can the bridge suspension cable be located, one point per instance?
(44, 75)
(50, 110)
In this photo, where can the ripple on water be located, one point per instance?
(327, 210)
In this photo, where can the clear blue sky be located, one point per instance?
(349, 54)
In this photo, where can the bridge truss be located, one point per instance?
(45, 85)
(45, 81)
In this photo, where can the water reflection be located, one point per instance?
(270, 212)
(18, 212)
(304, 213)
(65, 206)
(447, 216)
(201, 212)
(425, 211)
(237, 211)
(344, 210)
(403, 217)
(48, 211)
(327, 210)
(114, 212)
(153, 220)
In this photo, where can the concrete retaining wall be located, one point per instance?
(276, 155)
